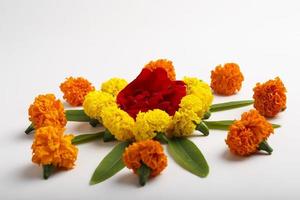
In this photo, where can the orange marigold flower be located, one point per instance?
(51, 146)
(270, 97)
(47, 111)
(75, 89)
(226, 80)
(165, 64)
(246, 134)
(149, 152)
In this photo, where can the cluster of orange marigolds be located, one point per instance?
(51, 146)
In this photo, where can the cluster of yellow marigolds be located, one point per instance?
(245, 136)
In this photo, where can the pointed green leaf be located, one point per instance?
(225, 124)
(77, 115)
(188, 156)
(219, 125)
(110, 165)
(230, 105)
(79, 139)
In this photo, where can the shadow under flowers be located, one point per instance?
(31, 172)
(228, 156)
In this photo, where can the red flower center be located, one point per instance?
(151, 90)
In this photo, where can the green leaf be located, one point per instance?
(110, 165)
(230, 105)
(161, 137)
(219, 125)
(188, 156)
(79, 139)
(225, 124)
(77, 116)
(143, 172)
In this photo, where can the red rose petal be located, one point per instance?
(150, 90)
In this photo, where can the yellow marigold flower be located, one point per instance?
(246, 134)
(75, 89)
(226, 80)
(183, 123)
(165, 64)
(51, 146)
(47, 111)
(96, 101)
(193, 103)
(270, 97)
(118, 122)
(201, 90)
(113, 86)
(149, 123)
(149, 152)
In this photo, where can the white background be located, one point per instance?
(42, 42)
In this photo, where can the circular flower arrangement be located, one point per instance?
(153, 109)
(154, 102)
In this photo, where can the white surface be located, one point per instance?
(42, 42)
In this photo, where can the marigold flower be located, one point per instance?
(149, 123)
(149, 152)
(75, 89)
(96, 101)
(226, 80)
(246, 134)
(270, 97)
(201, 90)
(51, 146)
(113, 86)
(46, 110)
(118, 122)
(151, 90)
(165, 64)
(184, 123)
(193, 103)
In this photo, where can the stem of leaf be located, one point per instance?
(108, 137)
(264, 146)
(94, 122)
(207, 115)
(29, 129)
(202, 128)
(143, 172)
(47, 171)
